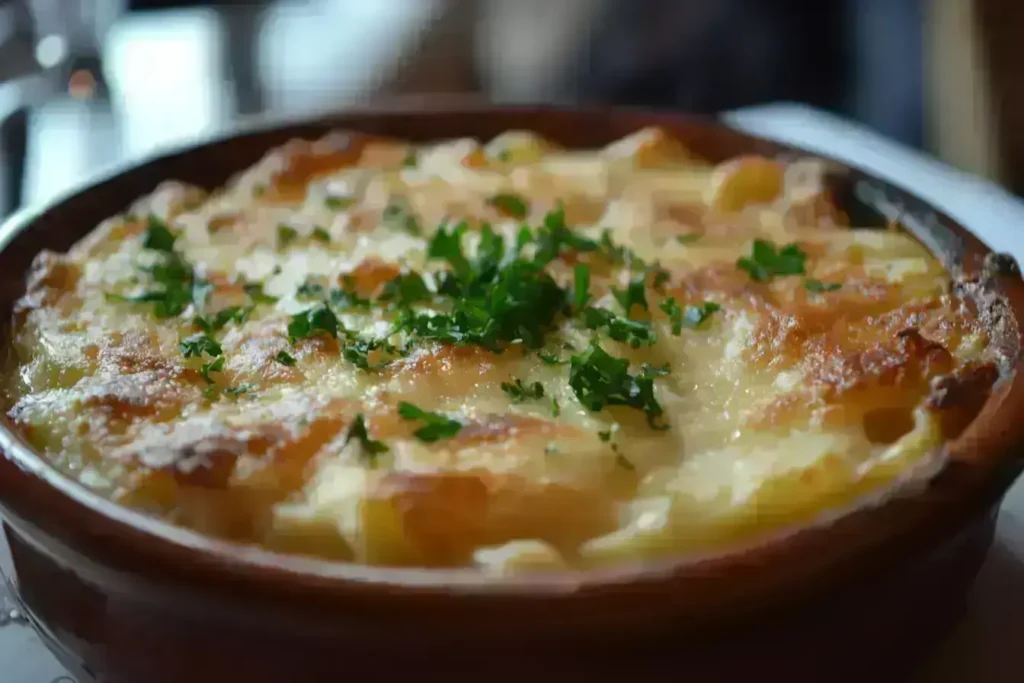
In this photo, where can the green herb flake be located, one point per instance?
(511, 205)
(285, 358)
(255, 292)
(207, 368)
(556, 410)
(633, 294)
(687, 239)
(368, 448)
(817, 286)
(321, 235)
(599, 379)
(623, 462)
(239, 390)
(285, 236)
(765, 262)
(411, 159)
(436, 426)
(198, 344)
(317, 319)
(398, 216)
(695, 315)
(581, 286)
(338, 203)
(405, 290)
(158, 236)
(551, 359)
(635, 333)
(520, 392)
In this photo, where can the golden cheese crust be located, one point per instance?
(264, 364)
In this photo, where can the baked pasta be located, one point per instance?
(502, 355)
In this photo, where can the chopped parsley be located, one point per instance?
(286, 235)
(255, 292)
(339, 203)
(692, 317)
(551, 359)
(310, 289)
(237, 314)
(436, 426)
(512, 205)
(198, 344)
(347, 296)
(207, 368)
(817, 286)
(177, 284)
(687, 239)
(765, 262)
(398, 216)
(633, 294)
(599, 379)
(368, 448)
(285, 358)
(581, 286)
(317, 319)
(520, 392)
(411, 159)
(632, 332)
(623, 462)
(358, 353)
(321, 235)
(239, 390)
(158, 236)
(405, 290)
(554, 236)
(556, 410)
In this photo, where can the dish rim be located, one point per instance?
(980, 462)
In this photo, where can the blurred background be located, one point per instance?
(85, 83)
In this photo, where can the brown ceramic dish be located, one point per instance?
(121, 597)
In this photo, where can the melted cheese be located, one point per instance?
(787, 403)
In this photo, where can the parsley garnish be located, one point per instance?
(397, 216)
(339, 203)
(405, 289)
(310, 289)
(817, 286)
(551, 359)
(633, 295)
(309, 322)
(765, 262)
(207, 368)
(369, 448)
(556, 410)
(198, 344)
(447, 246)
(436, 426)
(511, 205)
(239, 390)
(321, 235)
(519, 392)
(581, 286)
(286, 235)
(285, 358)
(599, 379)
(255, 292)
(411, 159)
(158, 236)
(691, 317)
(236, 314)
(632, 332)
(347, 296)
(358, 353)
(554, 235)
(687, 239)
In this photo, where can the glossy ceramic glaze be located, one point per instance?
(124, 598)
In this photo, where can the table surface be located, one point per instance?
(985, 648)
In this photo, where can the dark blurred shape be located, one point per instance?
(708, 57)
